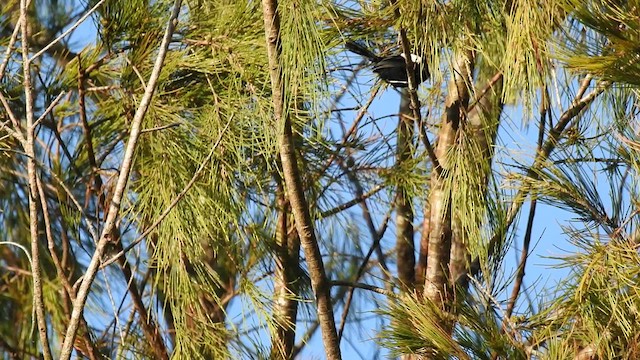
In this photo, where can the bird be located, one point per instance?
(392, 69)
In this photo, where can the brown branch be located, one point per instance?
(294, 187)
(16, 124)
(51, 243)
(405, 244)
(149, 327)
(9, 49)
(524, 255)
(355, 201)
(125, 169)
(479, 96)
(415, 102)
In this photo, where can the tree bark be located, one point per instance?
(286, 281)
(436, 285)
(29, 149)
(405, 247)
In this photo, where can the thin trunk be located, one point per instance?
(29, 149)
(482, 125)
(295, 191)
(405, 248)
(421, 266)
(286, 281)
(436, 285)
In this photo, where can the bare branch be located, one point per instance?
(69, 30)
(125, 169)
(355, 201)
(13, 132)
(415, 102)
(9, 49)
(49, 108)
(160, 128)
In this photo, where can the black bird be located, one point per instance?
(392, 69)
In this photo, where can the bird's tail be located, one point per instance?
(359, 49)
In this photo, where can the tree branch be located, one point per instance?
(125, 169)
(38, 301)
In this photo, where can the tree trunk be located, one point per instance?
(405, 248)
(436, 285)
(295, 190)
(285, 281)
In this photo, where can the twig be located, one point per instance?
(508, 324)
(524, 254)
(125, 169)
(345, 138)
(90, 227)
(24, 249)
(69, 30)
(375, 245)
(497, 77)
(95, 181)
(355, 201)
(50, 242)
(150, 328)
(9, 49)
(13, 132)
(49, 108)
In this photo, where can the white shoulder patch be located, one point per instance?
(414, 58)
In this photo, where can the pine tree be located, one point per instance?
(210, 179)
